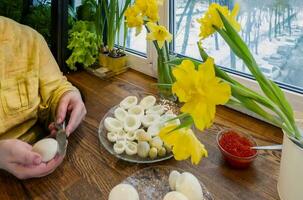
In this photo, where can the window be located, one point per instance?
(272, 29)
(136, 43)
(140, 53)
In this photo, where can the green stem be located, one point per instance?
(239, 89)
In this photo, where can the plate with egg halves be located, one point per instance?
(129, 131)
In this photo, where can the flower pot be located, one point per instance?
(117, 65)
(103, 59)
(291, 171)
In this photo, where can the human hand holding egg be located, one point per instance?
(17, 158)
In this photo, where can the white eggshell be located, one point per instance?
(119, 147)
(47, 148)
(173, 176)
(189, 185)
(113, 125)
(129, 102)
(166, 117)
(121, 136)
(148, 102)
(131, 148)
(131, 135)
(123, 192)
(154, 129)
(131, 123)
(136, 110)
(158, 109)
(150, 119)
(112, 137)
(120, 114)
(175, 196)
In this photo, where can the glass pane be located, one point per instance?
(273, 29)
(136, 43)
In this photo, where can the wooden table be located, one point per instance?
(89, 171)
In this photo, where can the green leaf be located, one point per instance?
(181, 117)
(282, 98)
(167, 85)
(178, 61)
(254, 107)
(187, 122)
(269, 88)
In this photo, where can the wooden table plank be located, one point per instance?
(89, 171)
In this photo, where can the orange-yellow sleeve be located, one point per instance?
(52, 83)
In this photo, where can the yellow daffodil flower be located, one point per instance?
(212, 18)
(184, 143)
(158, 33)
(134, 18)
(142, 5)
(149, 9)
(200, 90)
(152, 13)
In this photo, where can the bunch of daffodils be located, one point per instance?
(203, 85)
(145, 13)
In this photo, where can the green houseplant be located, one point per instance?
(93, 21)
(110, 25)
(83, 44)
(83, 37)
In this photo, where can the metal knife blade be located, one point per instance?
(61, 138)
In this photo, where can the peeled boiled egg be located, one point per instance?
(189, 185)
(113, 125)
(149, 119)
(158, 109)
(129, 102)
(120, 114)
(172, 179)
(148, 102)
(136, 110)
(175, 196)
(131, 123)
(123, 192)
(47, 148)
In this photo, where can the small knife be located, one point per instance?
(61, 138)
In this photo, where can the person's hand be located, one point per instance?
(17, 158)
(71, 105)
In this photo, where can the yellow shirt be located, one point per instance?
(31, 83)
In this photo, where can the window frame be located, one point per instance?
(292, 93)
(148, 64)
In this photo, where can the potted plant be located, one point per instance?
(109, 24)
(203, 85)
(83, 45)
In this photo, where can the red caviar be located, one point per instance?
(236, 144)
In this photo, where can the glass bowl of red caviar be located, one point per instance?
(236, 148)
